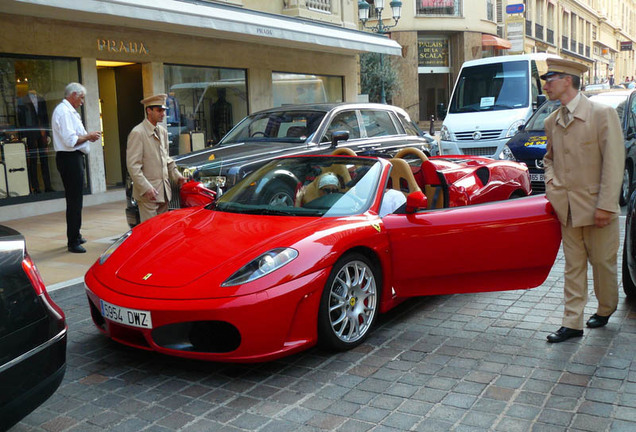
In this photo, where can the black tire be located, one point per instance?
(279, 194)
(349, 303)
(628, 284)
(625, 188)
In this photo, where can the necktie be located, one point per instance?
(155, 133)
(565, 114)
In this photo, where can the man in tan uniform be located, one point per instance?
(584, 166)
(148, 162)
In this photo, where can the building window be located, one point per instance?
(30, 89)
(204, 103)
(290, 88)
(439, 7)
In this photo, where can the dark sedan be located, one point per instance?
(32, 333)
(297, 130)
(529, 145)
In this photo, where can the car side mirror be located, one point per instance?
(415, 201)
(337, 136)
(540, 101)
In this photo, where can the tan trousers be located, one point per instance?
(148, 209)
(600, 247)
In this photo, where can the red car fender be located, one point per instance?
(193, 194)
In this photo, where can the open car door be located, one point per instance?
(504, 245)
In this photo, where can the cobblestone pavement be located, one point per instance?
(467, 362)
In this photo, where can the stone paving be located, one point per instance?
(467, 362)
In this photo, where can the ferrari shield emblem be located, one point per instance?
(147, 276)
(377, 227)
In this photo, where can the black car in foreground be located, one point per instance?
(629, 250)
(365, 128)
(33, 333)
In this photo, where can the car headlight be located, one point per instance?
(514, 127)
(103, 257)
(261, 266)
(507, 154)
(445, 133)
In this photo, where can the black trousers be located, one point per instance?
(71, 168)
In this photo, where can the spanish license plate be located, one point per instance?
(536, 177)
(129, 317)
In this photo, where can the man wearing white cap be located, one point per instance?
(148, 161)
(584, 166)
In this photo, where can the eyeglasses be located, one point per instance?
(553, 78)
(330, 190)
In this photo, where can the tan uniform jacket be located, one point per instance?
(585, 161)
(148, 161)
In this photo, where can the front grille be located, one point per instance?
(485, 135)
(175, 201)
(538, 187)
(479, 151)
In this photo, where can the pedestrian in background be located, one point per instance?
(148, 161)
(584, 166)
(71, 143)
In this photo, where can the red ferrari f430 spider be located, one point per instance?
(310, 249)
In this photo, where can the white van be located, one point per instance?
(492, 97)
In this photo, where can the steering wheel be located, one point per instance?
(257, 133)
(413, 152)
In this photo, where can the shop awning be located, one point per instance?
(209, 20)
(495, 42)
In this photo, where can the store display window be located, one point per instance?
(204, 103)
(290, 88)
(30, 89)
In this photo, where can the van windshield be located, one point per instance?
(490, 87)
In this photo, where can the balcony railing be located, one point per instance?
(572, 45)
(587, 52)
(528, 28)
(538, 31)
(319, 5)
(550, 36)
(581, 48)
(564, 42)
(439, 7)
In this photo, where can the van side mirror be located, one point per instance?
(415, 201)
(337, 136)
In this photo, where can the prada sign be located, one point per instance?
(121, 46)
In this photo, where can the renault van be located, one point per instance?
(491, 99)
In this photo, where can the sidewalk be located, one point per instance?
(46, 241)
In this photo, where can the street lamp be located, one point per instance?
(381, 28)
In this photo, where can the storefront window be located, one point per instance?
(203, 105)
(30, 89)
(288, 88)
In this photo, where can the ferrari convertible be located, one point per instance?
(298, 254)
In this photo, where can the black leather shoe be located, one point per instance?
(76, 249)
(564, 333)
(82, 240)
(596, 321)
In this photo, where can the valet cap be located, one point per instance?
(158, 100)
(559, 66)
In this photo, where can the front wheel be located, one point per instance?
(349, 303)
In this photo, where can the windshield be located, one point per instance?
(488, 87)
(536, 122)
(292, 126)
(306, 186)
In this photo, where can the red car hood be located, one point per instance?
(202, 242)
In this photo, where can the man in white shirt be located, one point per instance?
(71, 143)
